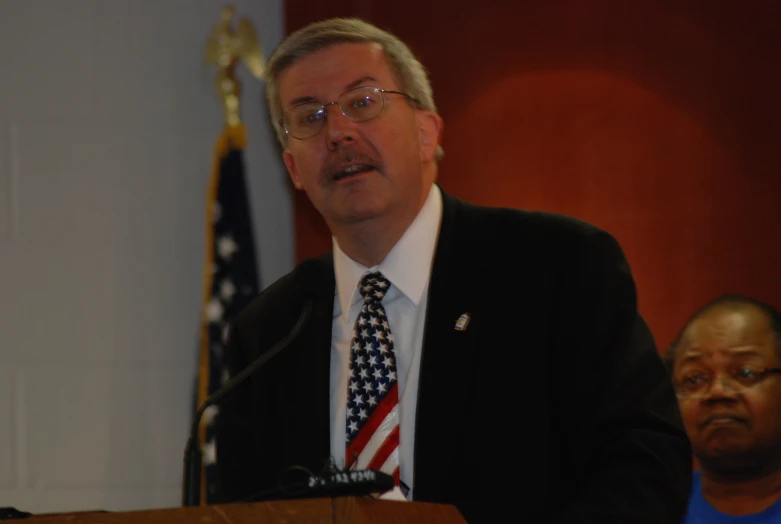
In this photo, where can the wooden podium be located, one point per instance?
(341, 510)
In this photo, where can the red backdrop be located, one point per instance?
(656, 121)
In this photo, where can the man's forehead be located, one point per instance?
(725, 345)
(728, 324)
(336, 68)
(695, 352)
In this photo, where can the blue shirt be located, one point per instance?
(701, 512)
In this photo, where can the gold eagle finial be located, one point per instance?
(225, 48)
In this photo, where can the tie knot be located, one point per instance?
(374, 286)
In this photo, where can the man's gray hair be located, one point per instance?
(406, 68)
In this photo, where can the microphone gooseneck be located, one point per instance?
(191, 485)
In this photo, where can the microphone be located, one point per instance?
(191, 488)
(352, 483)
(344, 483)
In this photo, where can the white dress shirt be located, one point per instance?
(408, 268)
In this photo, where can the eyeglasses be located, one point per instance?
(697, 384)
(359, 105)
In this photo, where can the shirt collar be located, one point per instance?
(407, 266)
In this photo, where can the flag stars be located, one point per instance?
(214, 310)
(210, 414)
(209, 453)
(231, 280)
(227, 289)
(226, 247)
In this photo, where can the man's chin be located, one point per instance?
(356, 210)
(731, 459)
(360, 215)
(725, 445)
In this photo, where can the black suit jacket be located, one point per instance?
(553, 404)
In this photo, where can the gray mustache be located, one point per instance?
(337, 164)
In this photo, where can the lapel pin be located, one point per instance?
(462, 322)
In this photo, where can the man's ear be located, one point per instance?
(290, 164)
(429, 134)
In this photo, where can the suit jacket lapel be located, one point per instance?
(308, 403)
(445, 385)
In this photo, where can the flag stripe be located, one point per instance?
(386, 405)
(388, 447)
(392, 464)
(377, 439)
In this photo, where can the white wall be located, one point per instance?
(108, 117)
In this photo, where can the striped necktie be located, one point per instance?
(372, 394)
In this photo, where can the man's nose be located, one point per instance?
(338, 127)
(721, 388)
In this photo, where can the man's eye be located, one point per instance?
(747, 375)
(311, 118)
(695, 379)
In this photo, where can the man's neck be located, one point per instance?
(370, 242)
(741, 497)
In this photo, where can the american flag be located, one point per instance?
(231, 280)
(372, 403)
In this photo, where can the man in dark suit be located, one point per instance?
(493, 359)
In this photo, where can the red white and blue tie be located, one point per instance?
(372, 394)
